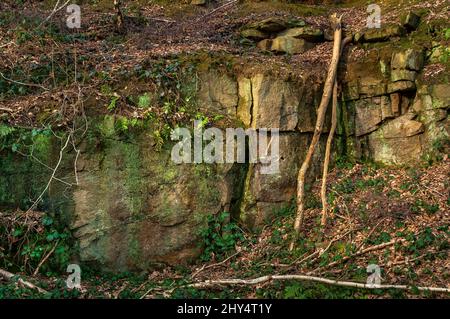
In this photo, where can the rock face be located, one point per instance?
(396, 117)
(135, 207)
(409, 59)
(218, 93)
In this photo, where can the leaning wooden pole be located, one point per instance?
(328, 87)
(326, 162)
(323, 191)
(119, 16)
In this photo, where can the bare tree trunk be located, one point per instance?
(329, 83)
(323, 191)
(119, 16)
(329, 143)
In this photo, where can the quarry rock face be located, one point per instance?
(134, 207)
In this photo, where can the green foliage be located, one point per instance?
(347, 186)
(420, 205)
(29, 240)
(5, 132)
(144, 101)
(447, 33)
(113, 103)
(297, 290)
(220, 236)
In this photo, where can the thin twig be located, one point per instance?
(370, 234)
(26, 84)
(51, 177)
(45, 258)
(362, 252)
(214, 265)
(55, 9)
(217, 9)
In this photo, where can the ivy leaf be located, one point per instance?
(144, 101)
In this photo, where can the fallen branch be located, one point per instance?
(162, 20)
(264, 279)
(10, 276)
(370, 234)
(362, 252)
(21, 83)
(6, 109)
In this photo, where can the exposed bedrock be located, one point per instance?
(135, 207)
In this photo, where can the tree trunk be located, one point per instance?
(323, 191)
(329, 83)
(119, 16)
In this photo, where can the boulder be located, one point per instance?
(395, 151)
(253, 34)
(395, 103)
(440, 94)
(245, 101)
(428, 117)
(265, 44)
(287, 44)
(269, 25)
(275, 103)
(398, 141)
(307, 33)
(351, 90)
(386, 109)
(371, 87)
(265, 194)
(440, 54)
(135, 207)
(402, 126)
